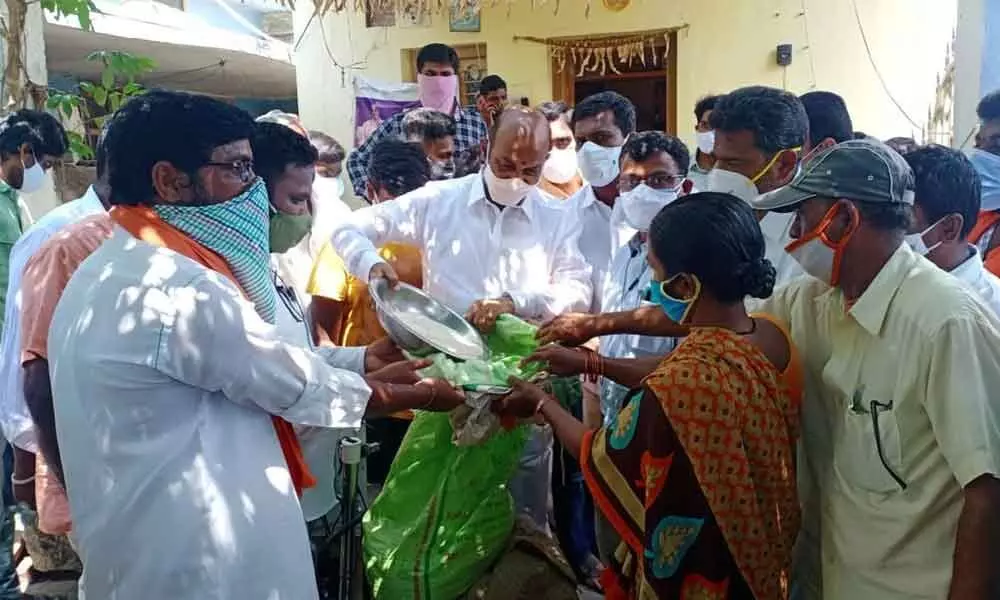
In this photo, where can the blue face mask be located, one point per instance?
(676, 309)
(987, 165)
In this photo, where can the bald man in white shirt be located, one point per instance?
(491, 245)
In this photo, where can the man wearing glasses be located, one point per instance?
(163, 344)
(653, 171)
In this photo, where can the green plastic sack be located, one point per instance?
(512, 340)
(444, 516)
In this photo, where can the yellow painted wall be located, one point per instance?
(728, 44)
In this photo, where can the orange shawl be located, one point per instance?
(988, 219)
(143, 223)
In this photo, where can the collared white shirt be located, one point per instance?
(900, 413)
(472, 250)
(698, 175)
(18, 428)
(625, 289)
(602, 233)
(319, 444)
(986, 284)
(776, 228)
(329, 211)
(166, 379)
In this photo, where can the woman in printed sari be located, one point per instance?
(696, 473)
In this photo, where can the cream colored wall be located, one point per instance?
(968, 69)
(728, 43)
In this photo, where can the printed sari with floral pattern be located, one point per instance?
(697, 475)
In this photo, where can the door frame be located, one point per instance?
(563, 82)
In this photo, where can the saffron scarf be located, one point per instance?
(146, 224)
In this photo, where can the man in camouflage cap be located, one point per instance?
(900, 419)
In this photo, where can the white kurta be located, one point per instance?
(472, 250)
(164, 381)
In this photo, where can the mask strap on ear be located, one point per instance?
(770, 163)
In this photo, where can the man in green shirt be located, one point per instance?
(30, 142)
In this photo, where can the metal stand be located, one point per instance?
(351, 451)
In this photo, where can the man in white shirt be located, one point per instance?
(490, 245)
(286, 161)
(329, 208)
(183, 484)
(703, 159)
(489, 242)
(759, 133)
(601, 123)
(14, 416)
(946, 206)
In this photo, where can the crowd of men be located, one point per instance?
(212, 336)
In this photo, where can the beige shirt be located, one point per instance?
(922, 352)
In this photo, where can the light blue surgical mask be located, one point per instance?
(987, 165)
(677, 310)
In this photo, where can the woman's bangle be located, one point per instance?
(26, 480)
(593, 366)
(433, 397)
(540, 405)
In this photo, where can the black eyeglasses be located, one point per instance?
(657, 181)
(288, 297)
(873, 409)
(243, 169)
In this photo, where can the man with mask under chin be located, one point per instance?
(759, 133)
(491, 245)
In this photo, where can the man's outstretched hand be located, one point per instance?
(402, 372)
(382, 353)
(570, 329)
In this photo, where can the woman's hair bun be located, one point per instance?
(756, 278)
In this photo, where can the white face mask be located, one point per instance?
(561, 165)
(730, 182)
(917, 243)
(33, 178)
(598, 165)
(741, 186)
(705, 141)
(817, 255)
(330, 187)
(815, 258)
(505, 192)
(641, 204)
